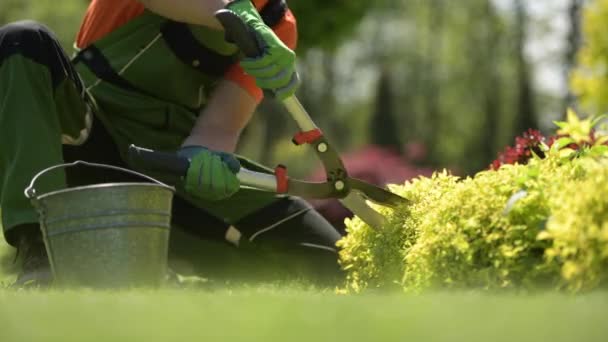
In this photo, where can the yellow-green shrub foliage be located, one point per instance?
(544, 224)
(374, 258)
(578, 229)
(590, 79)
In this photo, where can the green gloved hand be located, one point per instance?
(275, 69)
(211, 175)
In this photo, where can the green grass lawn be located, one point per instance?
(7, 267)
(282, 314)
(292, 312)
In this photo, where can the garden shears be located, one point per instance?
(352, 193)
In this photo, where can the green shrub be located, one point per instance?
(374, 259)
(578, 229)
(540, 225)
(589, 80)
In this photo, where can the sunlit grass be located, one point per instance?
(7, 267)
(285, 314)
(224, 311)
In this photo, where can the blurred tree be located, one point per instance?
(458, 78)
(383, 127)
(62, 17)
(325, 23)
(432, 85)
(574, 42)
(490, 37)
(589, 79)
(8, 8)
(525, 113)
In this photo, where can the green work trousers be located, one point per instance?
(41, 106)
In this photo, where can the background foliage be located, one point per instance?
(63, 17)
(590, 79)
(324, 23)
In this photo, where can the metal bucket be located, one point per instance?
(112, 235)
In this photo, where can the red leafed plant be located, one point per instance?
(574, 134)
(526, 144)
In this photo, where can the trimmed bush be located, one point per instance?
(539, 225)
(589, 81)
(578, 229)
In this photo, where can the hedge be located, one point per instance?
(539, 223)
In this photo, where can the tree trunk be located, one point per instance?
(526, 112)
(492, 101)
(433, 88)
(383, 127)
(574, 43)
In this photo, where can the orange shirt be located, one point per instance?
(104, 16)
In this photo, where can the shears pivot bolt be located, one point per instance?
(339, 185)
(322, 147)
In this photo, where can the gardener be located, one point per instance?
(156, 74)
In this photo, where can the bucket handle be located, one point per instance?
(30, 191)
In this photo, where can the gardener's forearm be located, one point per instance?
(198, 12)
(220, 124)
(214, 139)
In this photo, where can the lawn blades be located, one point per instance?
(352, 193)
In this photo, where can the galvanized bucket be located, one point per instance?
(112, 235)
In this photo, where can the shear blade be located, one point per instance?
(377, 194)
(355, 203)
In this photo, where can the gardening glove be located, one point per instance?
(211, 175)
(275, 69)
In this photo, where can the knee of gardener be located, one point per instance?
(26, 37)
(35, 42)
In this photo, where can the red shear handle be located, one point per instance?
(280, 172)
